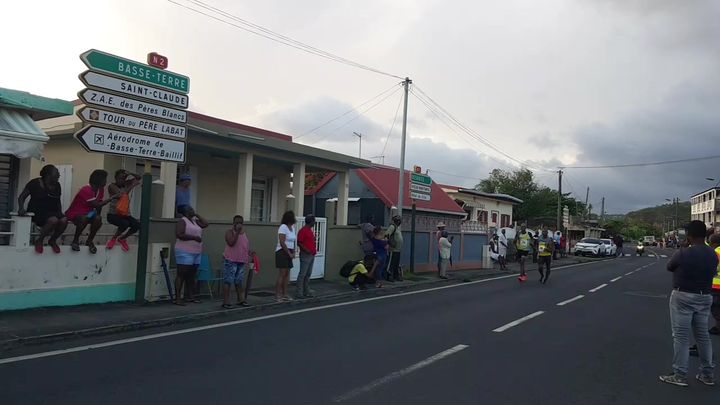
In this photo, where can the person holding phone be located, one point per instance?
(119, 209)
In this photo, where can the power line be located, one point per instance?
(360, 114)
(266, 33)
(455, 175)
(397, 110)
(345, 113)
(452, 128)
(475, 135)
(664, 162)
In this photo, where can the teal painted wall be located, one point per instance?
(67, 296)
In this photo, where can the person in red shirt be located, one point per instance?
(85, 209)
(308, 250)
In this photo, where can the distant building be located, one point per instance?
(487, 211)
(704, 207)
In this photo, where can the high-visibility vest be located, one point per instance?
(716, 279)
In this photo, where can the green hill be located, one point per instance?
(658, 215)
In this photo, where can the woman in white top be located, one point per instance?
(284, 254)
(445, 244)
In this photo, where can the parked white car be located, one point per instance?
(589, 246)
(610, 247)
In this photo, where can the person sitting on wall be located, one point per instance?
(45, 204)
(119, 209)
(360, 277)
(86, 207)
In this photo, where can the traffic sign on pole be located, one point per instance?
(117, 66)
(129, 88)
(94, 115)
(94, 97)
(420, 188)
(420, 179)
(419, 196)
(105, 140)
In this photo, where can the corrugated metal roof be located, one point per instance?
(19, 135)
(36, 106)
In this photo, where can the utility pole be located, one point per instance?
(587, 208)
(559, 209)
(401, 189)
(360, 147)
(677, 218)
(602, 210)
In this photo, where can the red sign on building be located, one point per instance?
(157, 60)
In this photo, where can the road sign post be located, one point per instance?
(133, 109)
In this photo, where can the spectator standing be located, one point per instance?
(693, 270)
(182, 193)
(308, 249)
(438, 234)
(284, 254)
(715, 309)
(119, 209)
(556, 240)
(360, 276)
(563, 246)
(236, 257)
(494, 249)
(395, 242)
(46, 206)
(188, 249)
(367, 229)
(502, 249)
(619, 241)
(380, 245)
(85, 209)
(445, 244)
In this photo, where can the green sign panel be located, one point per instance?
(115, 65)
(420, 179)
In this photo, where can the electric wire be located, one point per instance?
(645, 164)
(397, 110)
(266, 33)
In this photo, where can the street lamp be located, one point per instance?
(360, 147)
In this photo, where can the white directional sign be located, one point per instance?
(420, 188)
(129, 88)
(104, 140)
(419, 196)
(94, 115)
(90, 96)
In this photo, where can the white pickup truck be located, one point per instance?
(649, 241)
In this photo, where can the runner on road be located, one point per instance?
(522, 242)
(545, 246)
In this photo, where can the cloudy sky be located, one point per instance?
(557, 82)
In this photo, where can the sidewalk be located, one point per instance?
(43, 325)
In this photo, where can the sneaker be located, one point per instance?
(356, 288)
(124, 245)
(111, 244)
(674, 379)
(707, 380)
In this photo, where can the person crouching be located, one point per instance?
(360, 276)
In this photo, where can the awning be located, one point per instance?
(19, 135)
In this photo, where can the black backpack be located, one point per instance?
(347, 268)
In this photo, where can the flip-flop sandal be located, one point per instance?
(244, 304)
(180, 304)
(55, 248)
(75, 247)
(91, 247)
(226, 306)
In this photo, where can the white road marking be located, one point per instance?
(663, 255)
(616, 279)
(637, 254)
(518, 322)
(598, 288)
(629, 273)
(579, 297)
(397, 374)
(249, 320)
(627, 255)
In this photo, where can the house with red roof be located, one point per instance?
(374, 192)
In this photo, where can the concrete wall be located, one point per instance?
(343, 244)
(70, 278)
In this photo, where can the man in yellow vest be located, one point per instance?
(715, 309)
(545, 245)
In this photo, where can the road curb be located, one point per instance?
(132, 326)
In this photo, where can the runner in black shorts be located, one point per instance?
(522, 242)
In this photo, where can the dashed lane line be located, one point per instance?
(518, 322)
(400, 373)
(616, 279)
(598, 288)
(579, 297)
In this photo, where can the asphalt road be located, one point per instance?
(453, 345)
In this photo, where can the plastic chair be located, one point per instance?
(205, 274)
